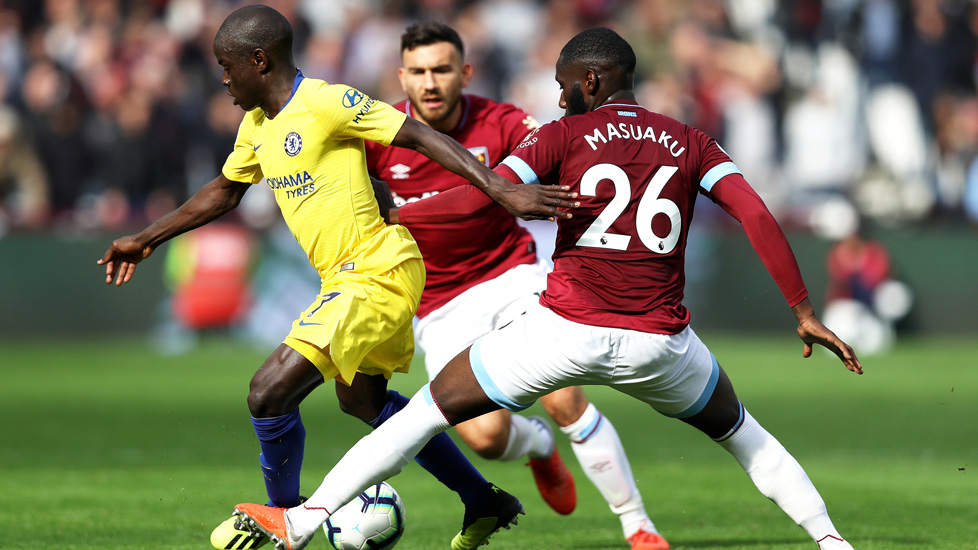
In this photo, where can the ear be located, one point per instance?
(260, 60)
(401, 75)
(466, 74)
(590, 83)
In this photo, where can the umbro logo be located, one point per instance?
(400, 172)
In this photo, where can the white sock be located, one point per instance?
(378, 456)
(599, 450)
(779, 477)
(528, 438)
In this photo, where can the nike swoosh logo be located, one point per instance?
(257, 146)
(305, 324)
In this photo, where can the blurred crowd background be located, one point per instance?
(843, 114)
(112, 111)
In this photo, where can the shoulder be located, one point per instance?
(322, 94)
(251, 120)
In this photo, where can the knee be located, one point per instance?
(358, 409)
(268, 398)
(565, 406)
(485, 445)
(487, 439)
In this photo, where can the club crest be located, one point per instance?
(293, 144)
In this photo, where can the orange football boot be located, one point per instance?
(554, 480)
(273, 524)
(643, 540)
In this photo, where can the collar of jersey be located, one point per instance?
(619, 103)
(295, 86)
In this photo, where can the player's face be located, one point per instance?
(239, 77)
(433, 77)
(572, 99)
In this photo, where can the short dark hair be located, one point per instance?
(427, 33)
(600, 46)
(256, 26)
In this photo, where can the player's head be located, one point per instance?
(254, 44)
(433, 73)
(593, 66)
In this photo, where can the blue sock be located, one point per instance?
(442, 458)
(283, 441)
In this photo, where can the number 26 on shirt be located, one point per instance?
(651, 204)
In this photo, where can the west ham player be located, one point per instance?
(612, 313)
(304, 137)
(483, 271)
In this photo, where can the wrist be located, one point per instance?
(803, 309)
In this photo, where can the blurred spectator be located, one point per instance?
(873, 100)
(208, 272)
(863, 299)
(24, 200)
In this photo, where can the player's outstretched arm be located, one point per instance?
(530, 202)
(812, 331)
(213, 200)
(736, 197)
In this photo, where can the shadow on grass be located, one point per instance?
(875, 542)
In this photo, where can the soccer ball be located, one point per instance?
(374, 520)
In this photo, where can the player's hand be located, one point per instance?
(537, 202)
(121, 258)
(812, 331)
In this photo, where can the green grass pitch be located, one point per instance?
(108, 445)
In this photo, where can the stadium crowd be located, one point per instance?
(112, 111)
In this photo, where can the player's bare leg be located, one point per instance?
(368, 399)
(773, 470)
(599, 451)
(276, 391)
(385, 451)
(501, 435)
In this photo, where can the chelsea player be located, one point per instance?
(305, 138)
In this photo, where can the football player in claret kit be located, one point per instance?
(304, 137)
(612, 312)
(483, 271)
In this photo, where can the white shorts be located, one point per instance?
(540, 352)
(448, 330)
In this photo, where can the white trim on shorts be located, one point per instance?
(540, 352)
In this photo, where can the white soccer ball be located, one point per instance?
(374, 520)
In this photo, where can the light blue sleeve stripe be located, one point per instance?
(586, 433)
(704, 397)
(522, 169)
(488, 386)
(426, 393)
(713, 175)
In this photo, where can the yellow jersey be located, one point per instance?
(311, 155)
